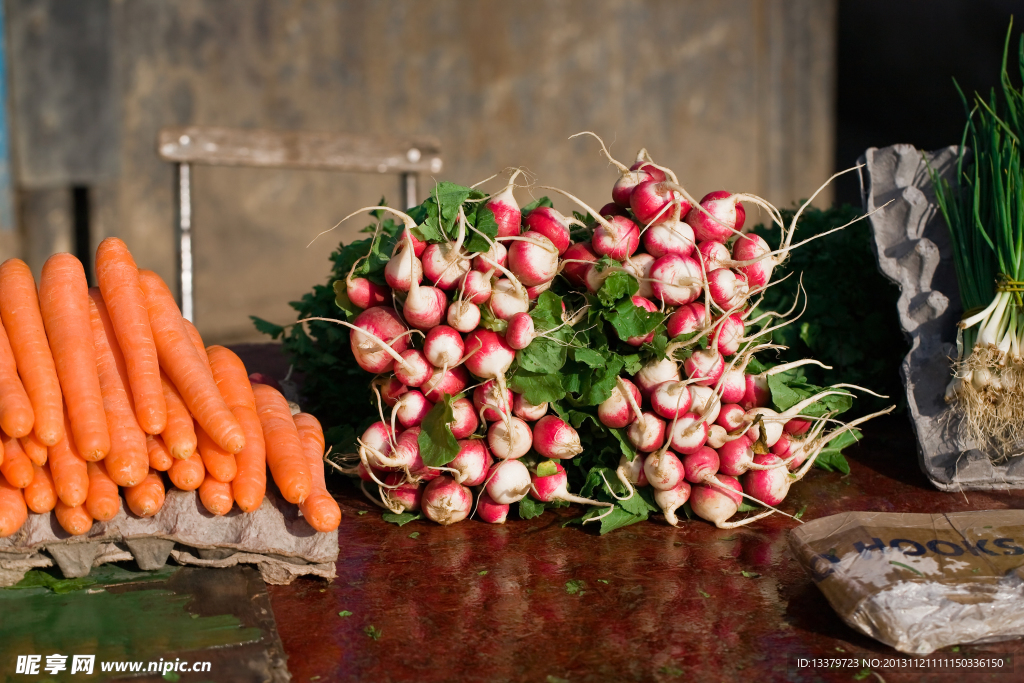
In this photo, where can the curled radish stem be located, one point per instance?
(409, 222)
(371, 497)
(625, 482)
(819, 447)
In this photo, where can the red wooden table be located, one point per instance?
(476, 602)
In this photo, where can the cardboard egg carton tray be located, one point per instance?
(275, 538)
(913, 247)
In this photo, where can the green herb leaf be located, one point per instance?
(373, 632)
(542, 201)
(750, 575)
(362, 512)
(575, 587)
(482, 573)
(438, 446)
(344, 613)
(414, 535)
(530, 508)
(265, 327)
(401, 519)
(702, 593)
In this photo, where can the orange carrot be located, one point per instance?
(250, 484)
(231, 376)
(34, 449)
(103, 501)
(187, 474)
(146, 499)
(287, 462)
(216, 496)
(19, 309)
(128, 460)
(13, 511)
(197, 340)
(320, 509)
(160, 458)
(70, 474)
(219, 463)
(190, 374)
(40, 495)
(180, 434)
(74, 520)
(16, 416)
(118, 278)
(64, 304)
(16, 467)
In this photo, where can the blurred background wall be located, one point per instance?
(735, 94)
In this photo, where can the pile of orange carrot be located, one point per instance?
(108, 391)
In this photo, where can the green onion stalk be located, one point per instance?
(985, 215)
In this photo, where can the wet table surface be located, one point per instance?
(532, 601)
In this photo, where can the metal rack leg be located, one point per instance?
(185, 240)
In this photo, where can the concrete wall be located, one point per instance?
(734, 94)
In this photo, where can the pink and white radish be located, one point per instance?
(692, 317)
(443, 346)
(721, 218)
(378, 339)
(472, 463)
(488, 401)
(618, 410)
(505, 208)
(489, 511)
(705, 366)
(532, 258)
(728, 290)
(411, 408)
(507, 299)
(688, 433)
(415, 371)
(732, 417)
(525, 410)
(555, 438)
(615, 236)
(669, 237)
(463, 316)
(654, 373)
(648, 433)
(706, 402)
(717, 504)
(678, 280)
(640, 267)
(631, 473)
(400, 495)
(663, 470)
(700, 466)
(575, 262)
(508, 482)
(653, 197)
(520, 331)
(488, 356)
(424, 306)
(390, 389)
(770, 485)
(509, 439)
(441, 382)
(670, 500)
(550, 483)
(487, 261)
(464, 420)
(364, 293)
(671, 399)
(445, 501)
(550, 223)
(475, 287)
(533, 292)
(713, 255)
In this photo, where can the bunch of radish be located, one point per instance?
(517, 353)
(106, 391)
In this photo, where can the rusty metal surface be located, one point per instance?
(299, 149)
(490, 603)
